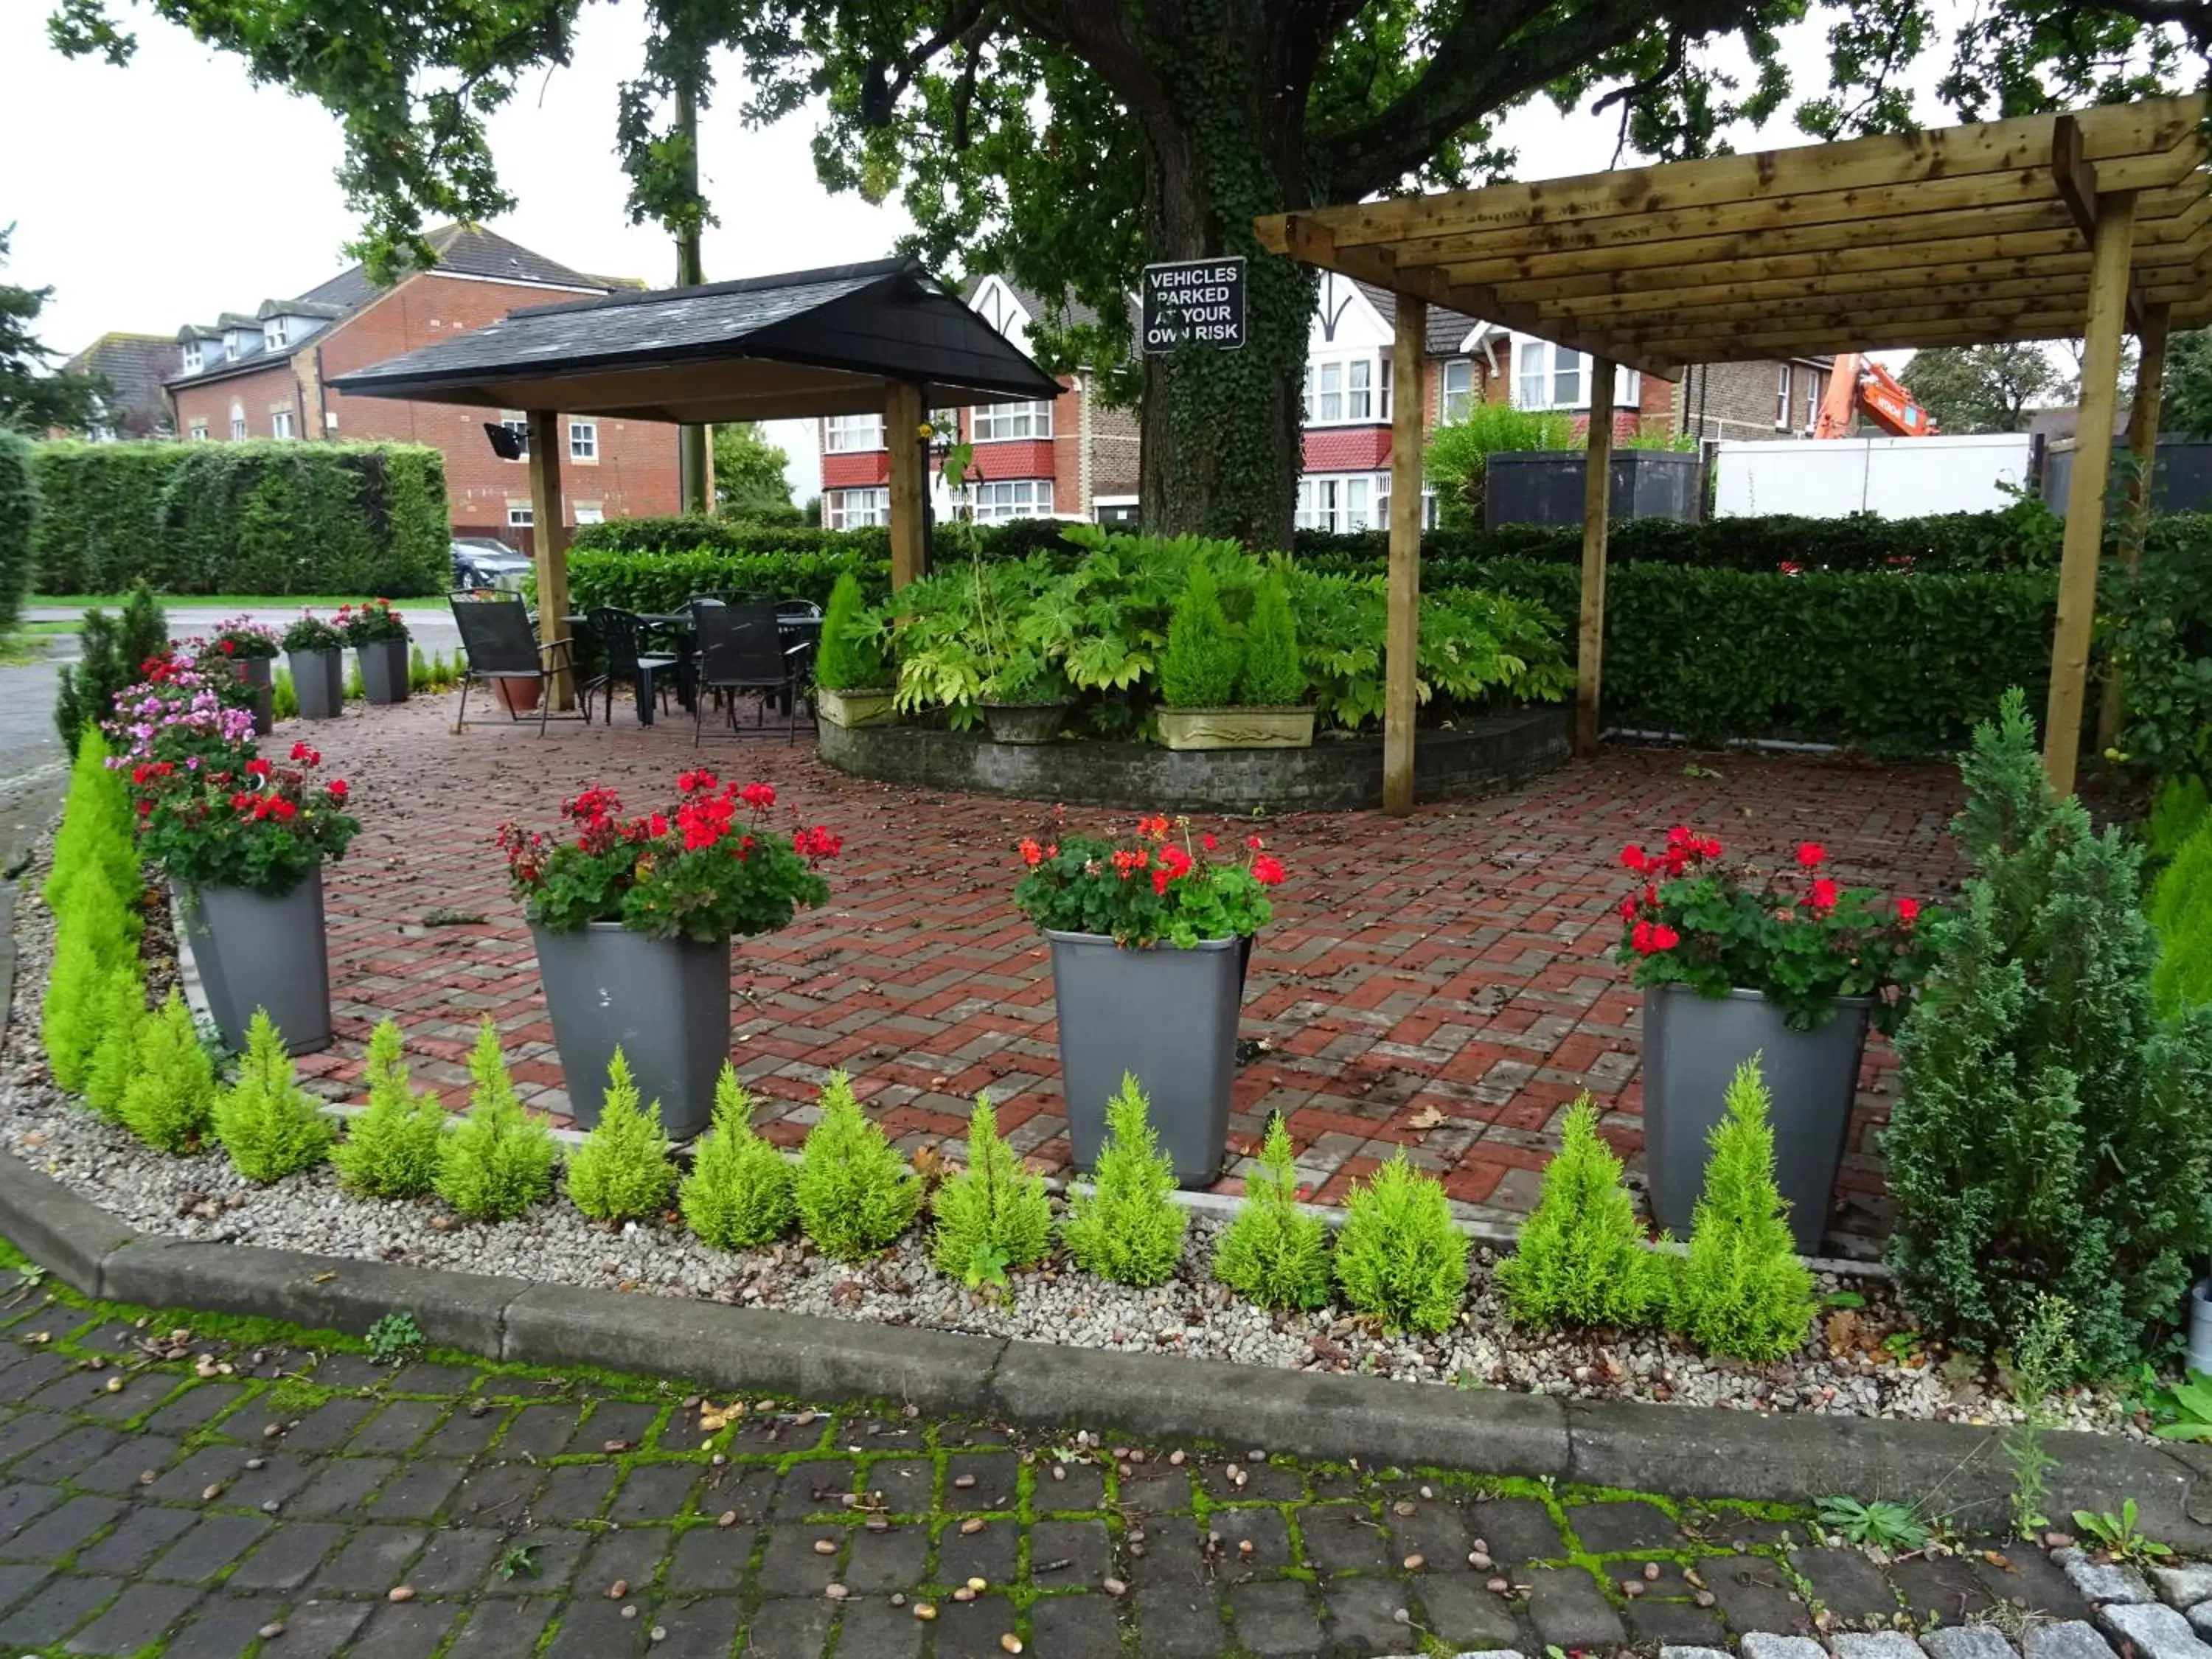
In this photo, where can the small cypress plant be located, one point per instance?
(1581, 1260)
(391, 1150)
(1275, 1253)
(1742, 1291)
(853, 1193)
(170, 1102)
(847, 659)
(117, 1013)
(1199, 668)
(1273, 676)
(738, 1193)
(66, 1025)
(268, 1124)
(1127, 1228)
(622, 1171)
(993, 1215)
(1400, 1255)
(498, 1164)
(2181, 911)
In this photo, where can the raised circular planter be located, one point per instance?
(1479, 757)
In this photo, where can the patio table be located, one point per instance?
(794, 631)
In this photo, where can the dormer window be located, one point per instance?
(190, 358)
(272, 334)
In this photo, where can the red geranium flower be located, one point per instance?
(1810, 854)
(1268, 870)
(1822, 895)
(1908, 911)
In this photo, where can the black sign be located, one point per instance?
(1197, 302)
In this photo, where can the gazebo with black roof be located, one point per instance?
(881, 336)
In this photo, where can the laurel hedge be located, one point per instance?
(19, 516)
(242, 517)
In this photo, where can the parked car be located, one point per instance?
(479, 562)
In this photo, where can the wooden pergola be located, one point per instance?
(2096, 222)
(881, 337)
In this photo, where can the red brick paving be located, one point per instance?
(1455, 964)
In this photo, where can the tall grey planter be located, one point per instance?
(1170, 1017)
(255, 951)
(384, 671)
(257, 673)
(1692, 1048)
(319, 682)
(666, 1003)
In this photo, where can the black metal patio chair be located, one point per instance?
(741, 648)
(499, 645)
(620, 635)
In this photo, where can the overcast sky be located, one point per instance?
(175, 189)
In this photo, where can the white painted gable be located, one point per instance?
(1345, 319)
(994, 302)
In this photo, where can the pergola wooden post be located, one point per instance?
(2142, 450)
(909, 488)
(1597, 502)
(549, 540)
(1402, 638)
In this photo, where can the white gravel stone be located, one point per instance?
(1759, 1645)
(2100, 1581)
(2200, 1620)
(1958, 1641)
(2158, 1631)
(1693, 1653)
(2183, 1587)
(1875, 1645)
(2065, 1639)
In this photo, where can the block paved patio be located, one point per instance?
(1442, 983)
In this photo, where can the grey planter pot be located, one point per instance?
(384, 671)
(1023, 722)
(255, 952)
(1170, 1016)
(1692, 1048)
(666, 1003)
(259, 673)
(319, 680)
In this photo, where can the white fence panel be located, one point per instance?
(1891, 477)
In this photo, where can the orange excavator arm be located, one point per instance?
(1860, 385)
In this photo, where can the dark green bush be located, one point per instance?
(848, 661)
(246, 518)
(19, 516)
(1273, 677)
(111, 651)
(1199, 668)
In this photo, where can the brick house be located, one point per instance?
(136, 368)
(267, 375)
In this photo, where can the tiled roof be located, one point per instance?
(1447, 331)
(134, 366)
(1073, 310)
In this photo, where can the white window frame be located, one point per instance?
(1347, 388)
(1544, 364)
(280, 423)
(1781, 398)
(189, 357)
(999, 424)
(851, 435)
(197, 433)
(519, 423)
(520, 515)
(237, 422)
(1342, 502)
(1812, 399)
(851, 509)
(584, 442)
(1447, 392)
(995, 500)
(590, 513)
(273, 334)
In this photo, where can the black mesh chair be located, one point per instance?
(500, 646)
(741, 648)
(620, 635)
(801, 622)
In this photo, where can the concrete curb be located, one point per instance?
(1958, 1472)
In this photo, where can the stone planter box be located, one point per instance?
(1023, 722)
(384, 671)
(319, 682)
(259, 673)
(855, 707)
(1692, 1048)
(666, 1003)
(255, 951)
(1237, 728)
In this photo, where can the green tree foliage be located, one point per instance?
(1199, 667)
(2050, 1134)
(19, 514)
(853, 1193)
(270, 1126)
(33, 394)
(1400, 1254)
(1581, 1261)
(749, 485)
(2185, 398)
(1983, 388)
(993, 1215)
(849, 659)
(738, 1193)
(391, 1150)
(2181, 911)
(498, 1165)
(1456, 457)
(170, 1102)
(97, 825)
(1273, 1252)
(1741, 1291)
(622, 1172)
(110, 650)
(1273, 676)
(118, 1013)
(1127, 1228)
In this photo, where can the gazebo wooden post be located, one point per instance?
(549, 540)
(1402, 637)
(2113, 247)
(902, 442)
(2142, 449)
(1597, 500)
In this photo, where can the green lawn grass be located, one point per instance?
(230, 601)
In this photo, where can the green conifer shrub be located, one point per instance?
(96, 910)
(68, 1024)
(110, 650)
(1199, 668)
(117, 1013)
(2181, 912)
(498, 1164)
(622, 1172)
(1582, 1260)
(2049, 1134)
(1127, 1228)
(855, 1193)
(96, 825)
(848, 659)
(993, 1215)
(391, 1150)
(170, 1102)
(1273, 676)
(268, 1124)
(1400, 1255)
(1273, 1252)
(2181, 805)
(738, 1193)
(1741, 1291)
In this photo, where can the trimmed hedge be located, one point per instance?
(19, 516)
(244, 518)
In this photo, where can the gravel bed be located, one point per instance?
(201, 1198)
